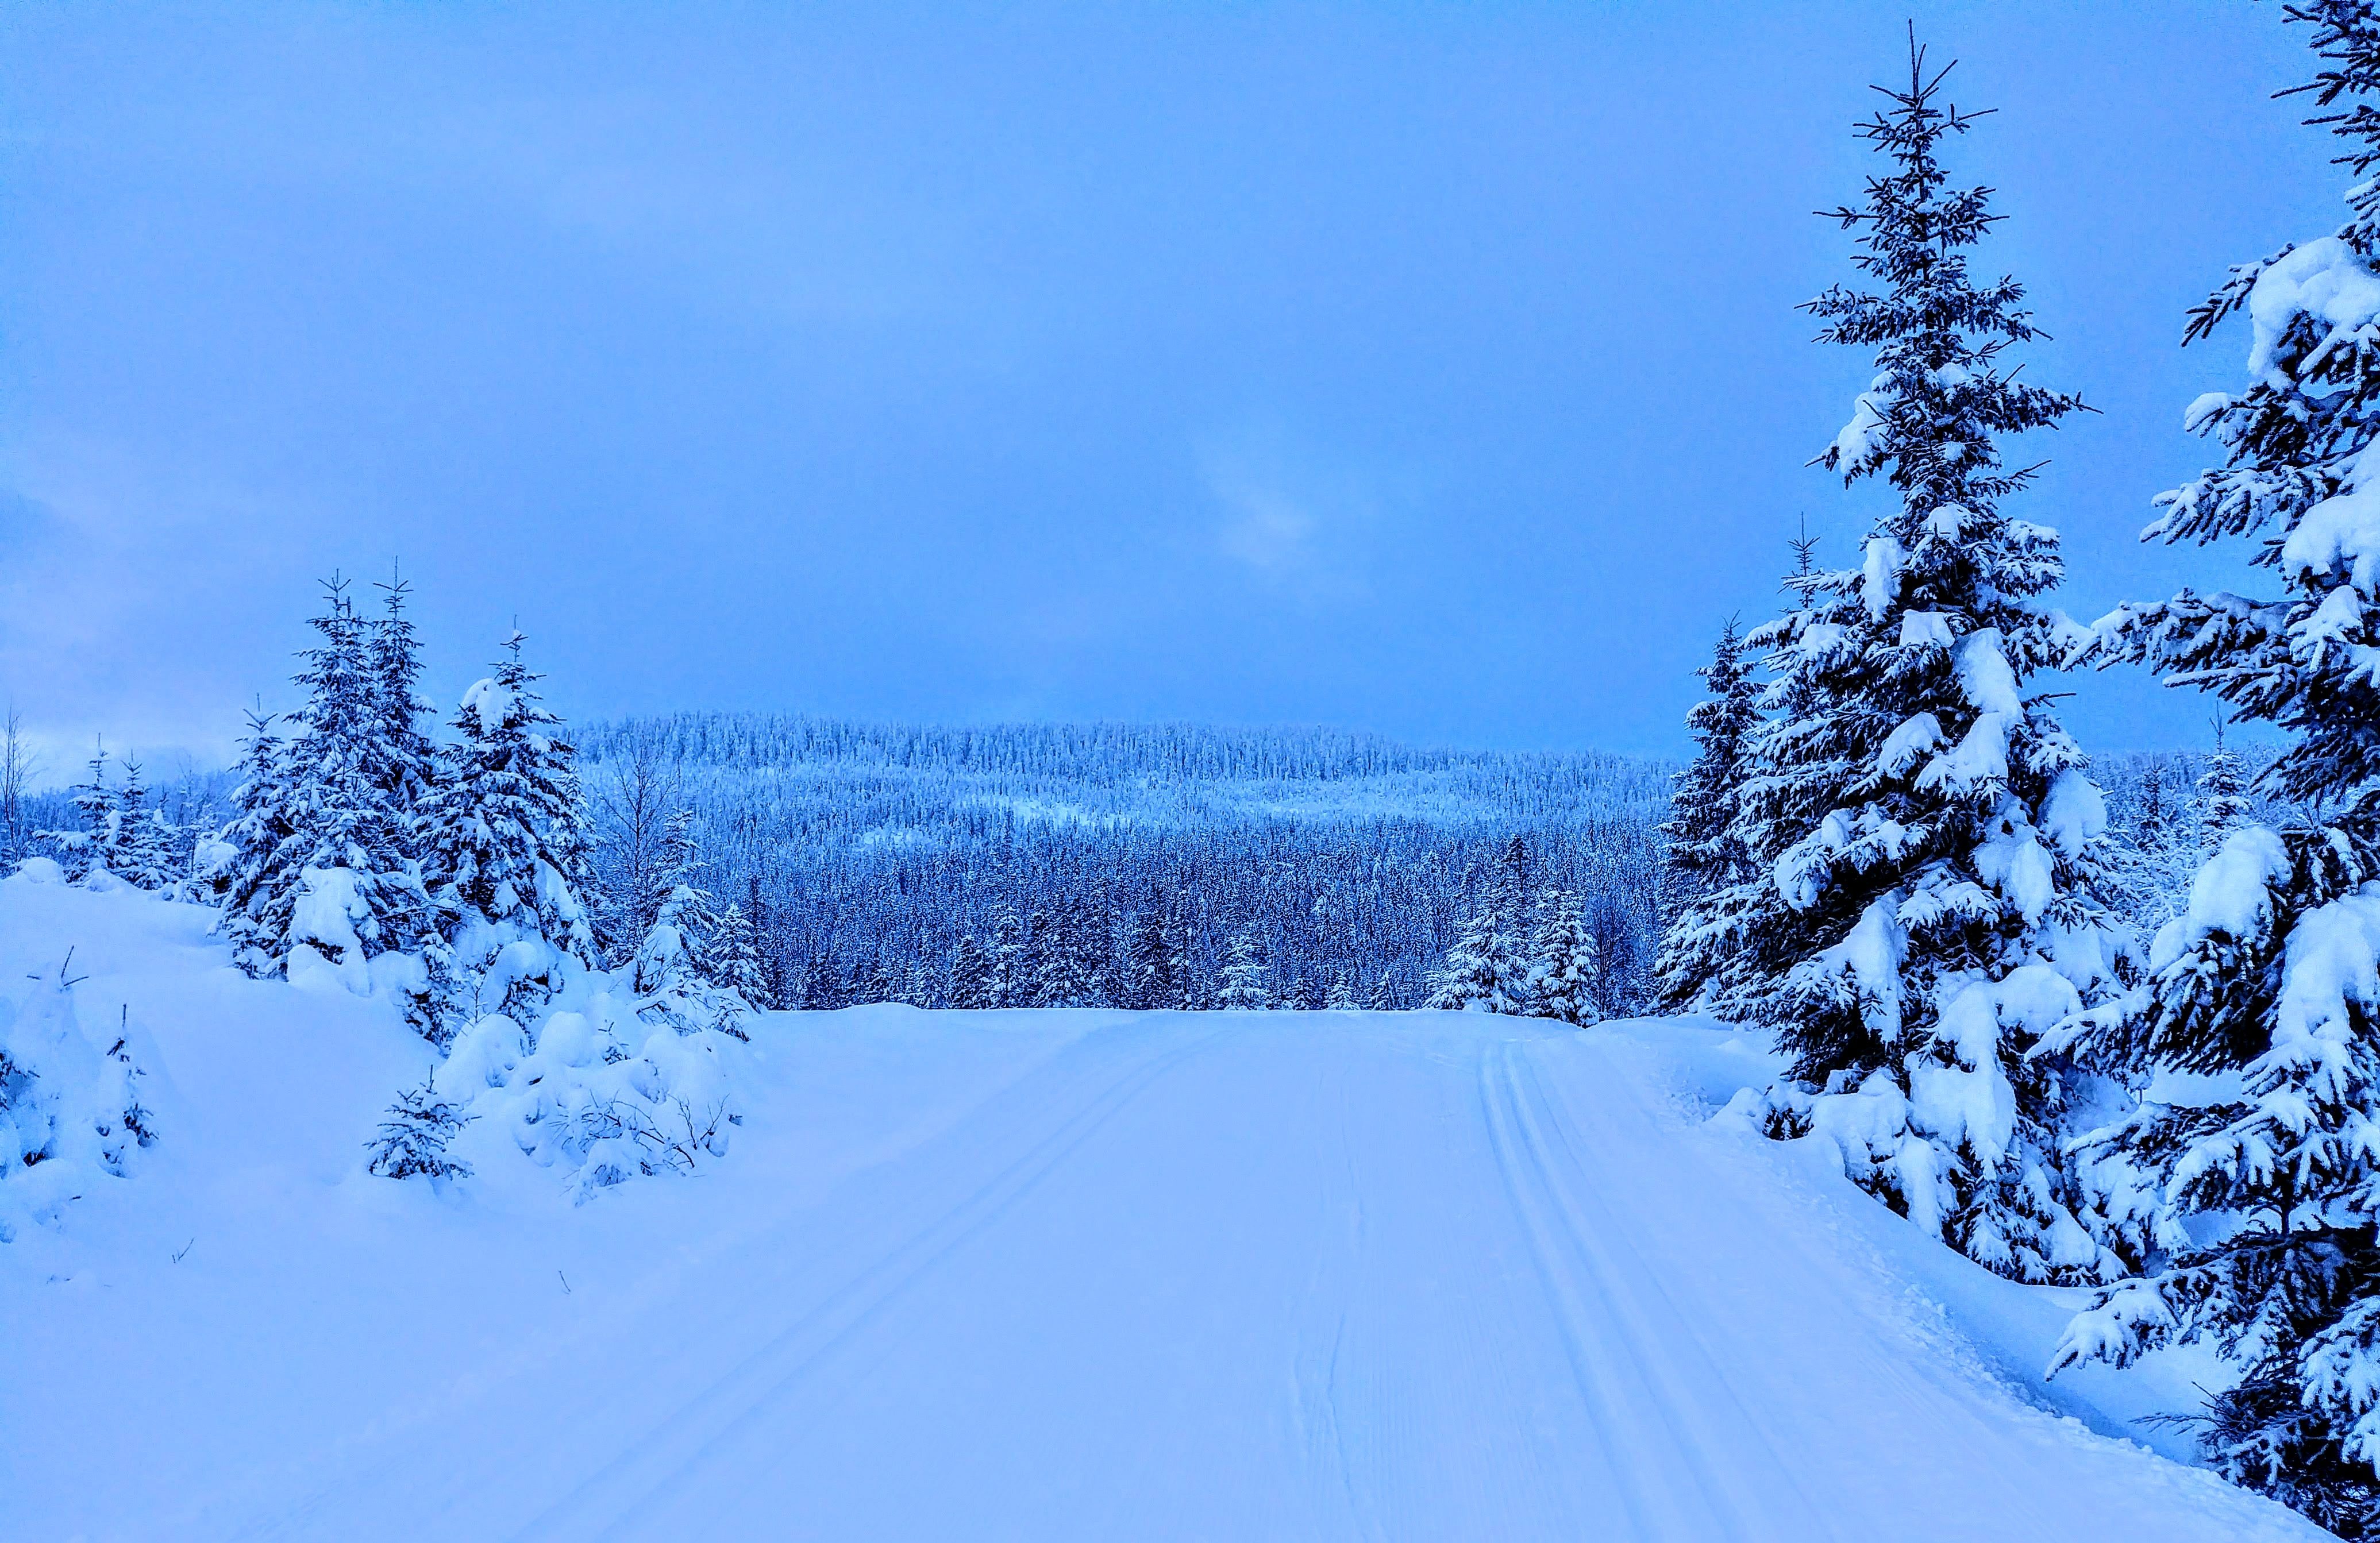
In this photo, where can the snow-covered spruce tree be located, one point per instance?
(2223, 802)
(2155, 855)
(85, 847)
(393, 661)
(1341, 998)
(1011, 984)
(1152, 986)
(503, 825)
(340, 890)
(412, 1139)
(1243, 987)
(738, 963)
(970, 980)
(677, 888)
(141, 849)
(1704, 835)
(1701, 835)
(70, 1113)
(1565, 978)
(2264, 992)
(1383, 997)
(673, 985)
(1935, 844)
(1483, 972)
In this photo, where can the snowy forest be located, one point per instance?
(2092, 1019)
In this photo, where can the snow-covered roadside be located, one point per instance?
(1030, 1274)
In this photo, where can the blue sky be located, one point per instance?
(1431, 369)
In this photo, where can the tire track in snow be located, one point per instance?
(1665, 1346)
(1656, 1426)
(667, 1453)
(1317, 1408)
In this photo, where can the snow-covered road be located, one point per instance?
(1049, 1275)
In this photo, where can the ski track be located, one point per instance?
(1312, 1276)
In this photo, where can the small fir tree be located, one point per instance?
(413, 1138)
(1565, 975)
(1483, 972)
(1245, 987)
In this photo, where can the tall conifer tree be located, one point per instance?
(2264, 987)
(1933, 843)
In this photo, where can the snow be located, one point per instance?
(2075, 812)
(1880, 576)
(1032, 1275)
(1862, 437)
(2324, 279)
(2340, 533)
(2231, 893)
(1984, 676)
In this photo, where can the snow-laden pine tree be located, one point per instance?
(971, 985)
(408, 760)
(1565, 976)
(505, 829)
(738, 963)
(2154, 855)
(2223, 802)
(1483, 972)
(1383, 997)
(411, 1142)
(2255, 1040)
(1341, 997)
(84, 850)
(672, 981)
(70, 1113)
(1701, 838)
(1011, 981)
(678, 889)
(1150, 986)
(1704, 835)
(1934, 844)
(340, 891)
(1245, 986)
(140, 848)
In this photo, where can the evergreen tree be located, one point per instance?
(677, 888)
(2263, 986)
(1384, 995)
(1179, 962)
(1037, 982)
(972, 985)
(408, 759)
(141, 849)
(1929, 844)
(1342, 993)
(504, 824)
(340, 889)
(86, 849)
(1705, 850)
(2223, 803)
(739, 967)
(1244, 988)
(1152, 986)
(2154, 859)
(1012, 979)
(1565, 976)
(412, 1139)
(1483, 972)
(672, 981)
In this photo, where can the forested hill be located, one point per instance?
(872, 848)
